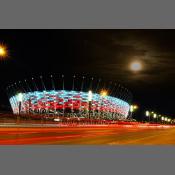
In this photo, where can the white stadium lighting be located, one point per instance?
(69, 101)
(90, 96)
(20, 97)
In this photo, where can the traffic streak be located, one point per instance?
(87, 135)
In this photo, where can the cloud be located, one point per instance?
(112, 56)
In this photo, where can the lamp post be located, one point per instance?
(148, 114)
(103, 94)
(3, 52)
(159, 118)
(169, 120)
(132, 109)
(163, 118)
(90, 102)
(20, 98)
(154, 115)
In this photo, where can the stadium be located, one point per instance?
(75, 96)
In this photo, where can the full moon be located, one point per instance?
(136, 66)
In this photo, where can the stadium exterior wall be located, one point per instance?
(70, 103)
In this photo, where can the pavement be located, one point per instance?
(13, 134)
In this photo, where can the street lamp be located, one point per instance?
(154, 115)
(20, 98)
(133, 108)
(3, 51)
(148, 114)
(163, 118)
(90, 102)
(169, 120)
(103, 94)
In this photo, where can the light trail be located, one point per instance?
(97, 134)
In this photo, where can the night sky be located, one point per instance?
(99, 53)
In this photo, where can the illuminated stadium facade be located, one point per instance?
(86, 102)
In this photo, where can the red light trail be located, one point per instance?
(103, 135)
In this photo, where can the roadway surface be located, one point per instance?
(48, 134)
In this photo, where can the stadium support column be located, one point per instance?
(63, 93)
(18, 117)
(90, 107)
(20, 98)
(82, 84)
(73, 84)
(90, 102)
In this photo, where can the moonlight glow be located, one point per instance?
(136, 66)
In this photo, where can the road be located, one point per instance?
(86, 136)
